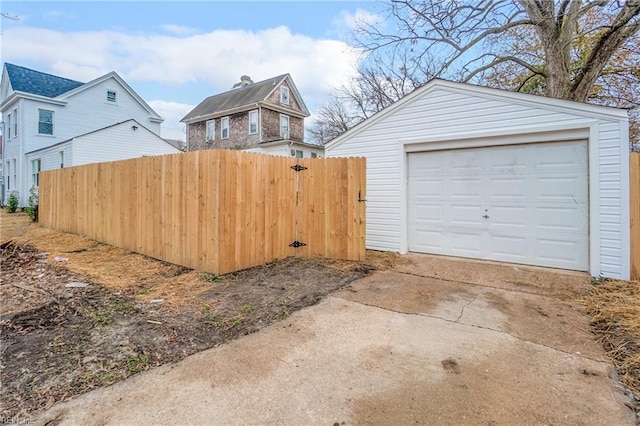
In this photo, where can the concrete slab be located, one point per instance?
(394, 348)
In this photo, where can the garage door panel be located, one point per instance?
(535, 197)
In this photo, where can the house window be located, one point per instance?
(224, 127)
(284, 95)
(8, 175)
(314, 155)
(284, 126)
(111, 95)
(253, 122)
(35, 172)
(62, 159)
(15, 122)
(211, 130)
(8, 126)
(299, 153)
(14, 169)
(45, 122)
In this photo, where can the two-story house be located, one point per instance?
(267, 116)
(51, 122)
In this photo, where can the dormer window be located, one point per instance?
(284, 95)
(111, 96)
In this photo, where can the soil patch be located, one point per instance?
(77, 314)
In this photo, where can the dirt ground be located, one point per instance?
(78, 315)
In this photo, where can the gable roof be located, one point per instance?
(242, 96)
(581, 108)
(102, 129)
(38, 83)
(58, 89)
(114, 75)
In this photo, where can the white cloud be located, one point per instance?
(346, 23)
(214, 60)
(217, 58)
(179, 29)
(172, 112)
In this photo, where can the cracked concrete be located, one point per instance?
(398, 347)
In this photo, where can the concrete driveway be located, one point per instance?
(435, 341)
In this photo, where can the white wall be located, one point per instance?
(119, 142)
(285, 150)
(84, 112)
(442, 112)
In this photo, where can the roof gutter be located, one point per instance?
(15, 95)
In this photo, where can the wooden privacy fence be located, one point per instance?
(634, 202)
(214, 210)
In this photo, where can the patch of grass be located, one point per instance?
(282, 314)
(237, 322)
(598, 280)
(247, 309)
(206, 308)
(101, 319)
(211, 278)
(146, 291)
(214, 320)
(136, 363)
(122, 306)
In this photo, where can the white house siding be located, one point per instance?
(454, 111)
(49, 160)
(285, 150)
(118, 142)
(86, 111)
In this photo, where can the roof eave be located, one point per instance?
(15, 95)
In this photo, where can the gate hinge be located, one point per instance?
(296, 244)
(298, 167)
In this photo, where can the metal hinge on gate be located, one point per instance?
(296, 244)
(298, 167)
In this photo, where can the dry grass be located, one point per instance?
(131, 273)
(614, 307)
(134, 274)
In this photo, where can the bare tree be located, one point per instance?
(377, 85)
(548, 47)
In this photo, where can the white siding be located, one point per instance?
(448, 110)
(285, 150)
(84, 112)
(118, 142)
(49, 159)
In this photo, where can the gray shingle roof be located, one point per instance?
(235, 98)
(38, 83)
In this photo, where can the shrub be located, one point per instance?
(32, 210)
(12, 202)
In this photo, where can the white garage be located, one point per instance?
(461, 170)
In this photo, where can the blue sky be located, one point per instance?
(174, 54)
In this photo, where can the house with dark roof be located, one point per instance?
(265, 116)
(44, 115)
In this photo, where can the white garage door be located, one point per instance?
(518, 203)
